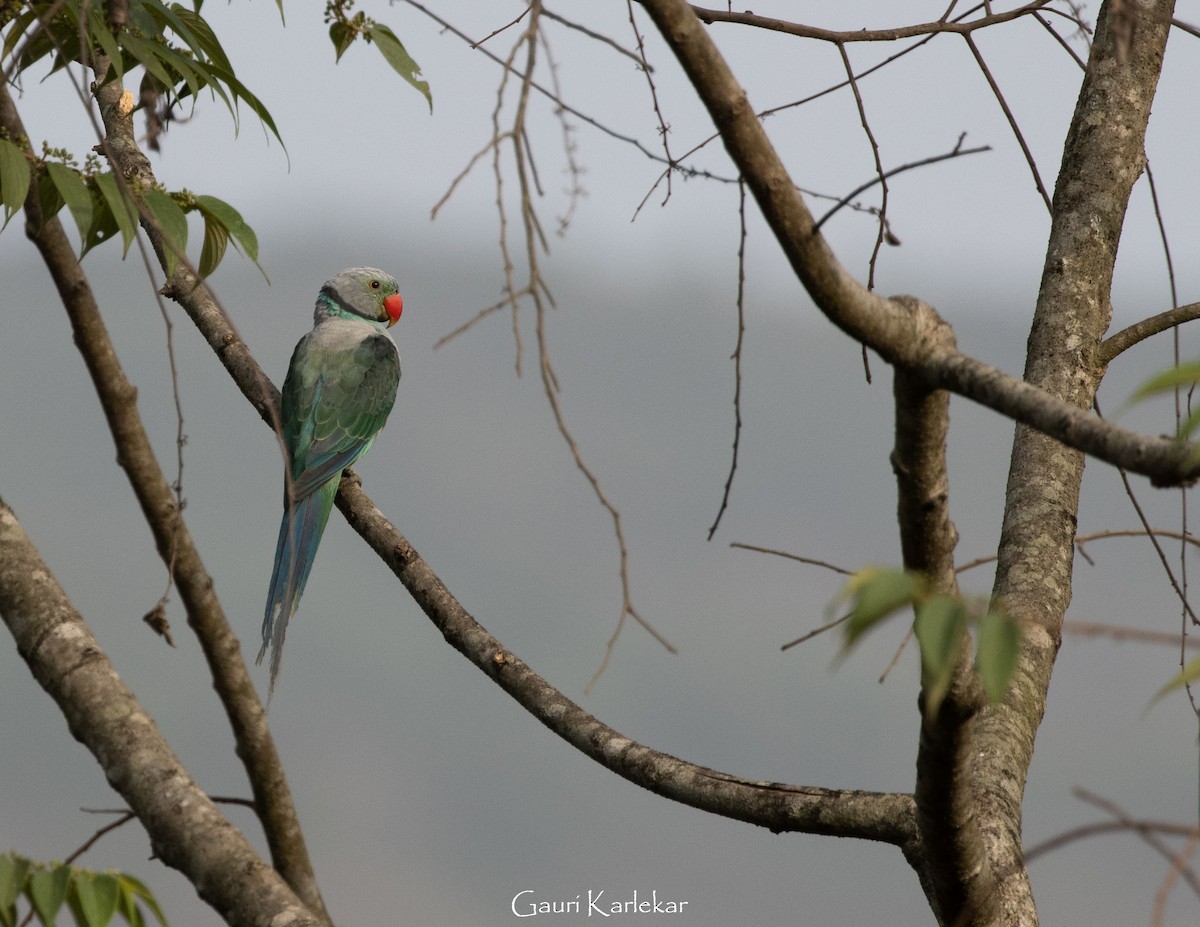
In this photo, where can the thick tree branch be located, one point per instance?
(186, 830)
(878, 816)
(950, 833)
(157, 500)
(893, 328)
(1102, 158)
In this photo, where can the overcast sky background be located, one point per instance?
(427, 796)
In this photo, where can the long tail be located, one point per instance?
(299, 536)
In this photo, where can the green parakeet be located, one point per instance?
(339, 390)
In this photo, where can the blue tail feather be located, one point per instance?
(299, 536)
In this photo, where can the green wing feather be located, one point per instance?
(333, 410)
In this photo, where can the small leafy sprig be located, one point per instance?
(345, 28)
(940, 625)
(93, 898)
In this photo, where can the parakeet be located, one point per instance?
(340, 387)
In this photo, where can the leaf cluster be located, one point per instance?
(178, 51)
(103, 207)
(345, 29)
(93, 898)
(941, 626)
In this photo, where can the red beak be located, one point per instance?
(394, 306)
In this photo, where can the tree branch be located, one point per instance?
(950, 831)
(710, 16)
(1126, 338)
(156, 498)
(186, 830)
(1102, 158)
(892, 328)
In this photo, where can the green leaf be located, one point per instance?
(49, 202)
(218, 213)
(877, 592)
(104, 223)
(171, 222)
(400, 60)
(1167, 380)
(996, 653)
(203, 40)
(939, 627)
(1189, 674)
(96, 893)
(133, 890)
(13, 870)
(242, 234)
(127, 907)
(120, 207)
(48, 891)
(342, 37)
(14, 178)
(74, 192)
(99, 33)
(16, 32)
(216, 237)
(149, 56)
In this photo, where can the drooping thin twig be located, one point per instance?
(882, 232)
(736, 357)
(1099, 829)
(664, 127)
(513, 138)
(1150, 534)
(1012, 120)
(566, 107)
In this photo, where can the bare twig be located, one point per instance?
(736, 358)
(956, 152)
(664, 127)
(783, 553)
(1120, 633)
(1012, 120)
(869, 35)
(815, 631)
(882, 231)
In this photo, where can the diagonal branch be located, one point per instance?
(965, 27)
(890, 327)
(186, 830)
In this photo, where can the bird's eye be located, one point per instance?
(374, 284)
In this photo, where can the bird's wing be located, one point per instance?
(334, 405)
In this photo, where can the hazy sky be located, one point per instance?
(427, 796)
